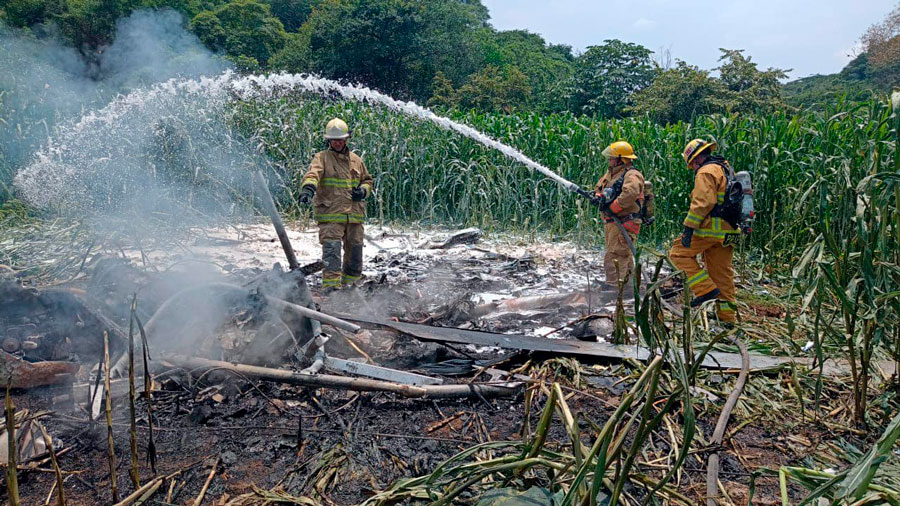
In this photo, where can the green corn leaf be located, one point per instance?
(860, 475)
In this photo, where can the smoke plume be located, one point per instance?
(45, 83)
(133, 139)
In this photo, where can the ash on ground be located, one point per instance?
(497, 284)
(220, 434)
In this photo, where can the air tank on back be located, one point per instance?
(747, 213)
(647, 206)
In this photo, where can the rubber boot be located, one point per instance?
(704, 298)
(331, 257)
(353, 265)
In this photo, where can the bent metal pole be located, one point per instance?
(460, 391)
(312, 314)
(305, 295)
(272, 211)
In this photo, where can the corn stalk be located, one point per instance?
(135, 475)
(109, 427)
(12, 478)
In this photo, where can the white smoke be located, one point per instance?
(43, 82)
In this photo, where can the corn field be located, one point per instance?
(826, 191)
(428, 175)
(827, 198)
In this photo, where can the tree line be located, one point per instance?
(445, 54)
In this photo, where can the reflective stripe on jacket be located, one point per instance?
(709, 190)
(334, 175)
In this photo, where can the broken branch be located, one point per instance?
(149, 488)
(109, 429)
(712, 468)
(212, 473)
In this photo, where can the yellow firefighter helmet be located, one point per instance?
(695, 147)
(620, 149)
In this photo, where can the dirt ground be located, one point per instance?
(339, 447)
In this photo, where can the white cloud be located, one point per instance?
(643, 24)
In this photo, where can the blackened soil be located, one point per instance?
(337, 447)
(349, 444)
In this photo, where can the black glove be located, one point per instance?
(306, 194)
(686, 237)
(357, 194)
(603, 200)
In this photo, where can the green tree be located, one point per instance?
(493, 89)
(679, 94)
(292, 13)
(91, 23)
(819, 91)
(443, 95)
(547, 67)
(25, 13)
(449, 42)
(857, 69)
(881, 44)
(294, 56)
(188, 8)
(748, 89)
(396, 46)
(375, 43)
(241, 28)
(606, 77)
(208, 28)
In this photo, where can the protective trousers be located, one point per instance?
(718, 272)
(333, 236)
(617, 251)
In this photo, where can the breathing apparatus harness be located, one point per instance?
(645, 214)
(730, 208)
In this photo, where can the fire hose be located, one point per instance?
(615, 219)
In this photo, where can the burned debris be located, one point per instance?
(470, 349)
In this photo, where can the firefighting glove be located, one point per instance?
(603, 200)
(358, 194)
(686, 237)
(306, 194)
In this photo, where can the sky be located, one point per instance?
(810, 37)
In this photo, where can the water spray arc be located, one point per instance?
(249, 86)
(253, 86)
(60, 165)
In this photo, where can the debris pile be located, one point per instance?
(235, 343)
(254, 393)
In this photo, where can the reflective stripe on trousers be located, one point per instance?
(717, 271)
(337, 236)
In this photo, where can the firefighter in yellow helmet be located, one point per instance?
(619, 193)
(337, 183)
(706, 234)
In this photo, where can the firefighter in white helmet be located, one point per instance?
(338, 183)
